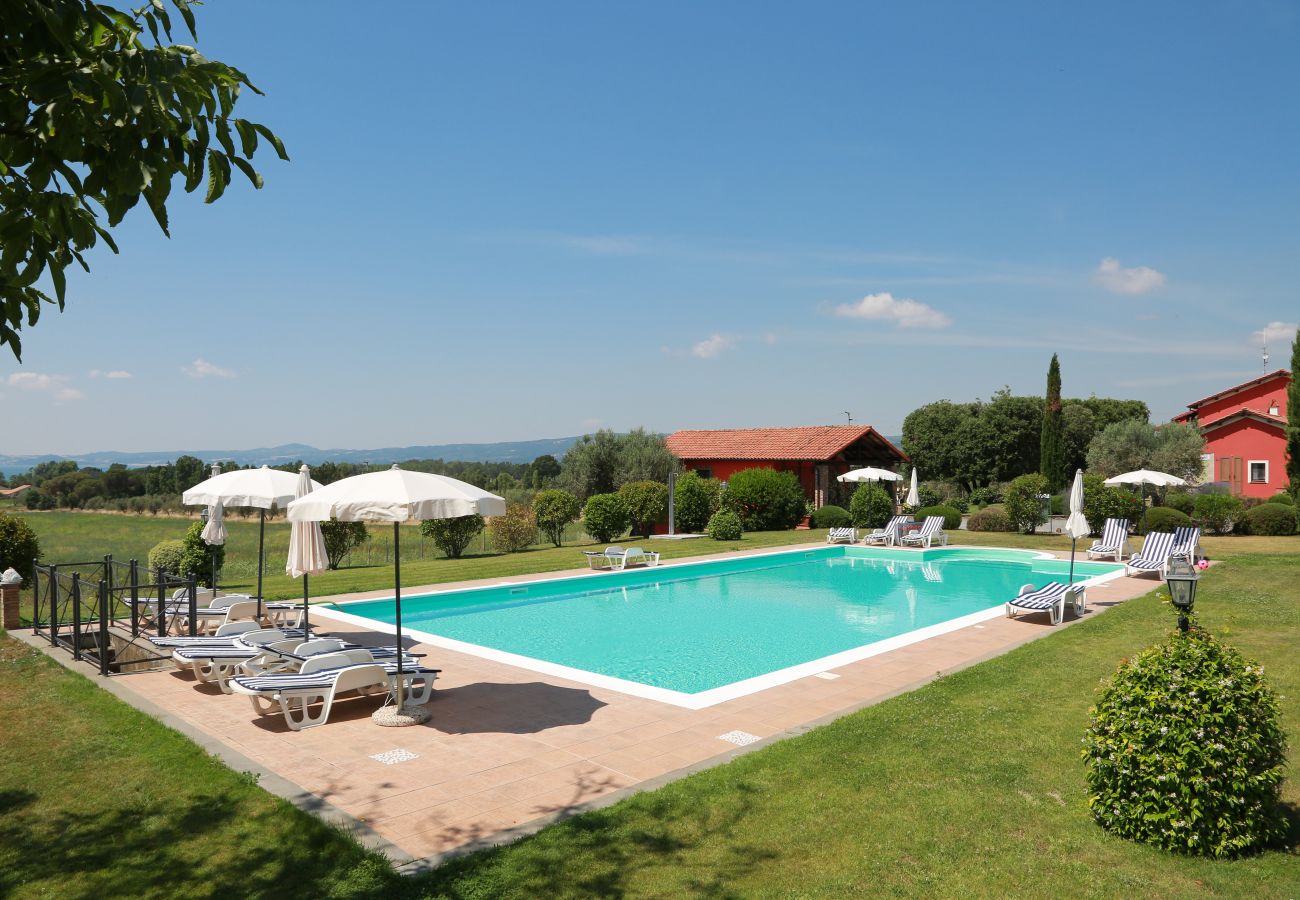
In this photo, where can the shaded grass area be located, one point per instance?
(970, 786)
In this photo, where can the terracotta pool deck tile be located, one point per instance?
(507, 746)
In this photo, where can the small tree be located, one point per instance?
(871, 506)
(724, 525)
(1051, 449)
(19, 547)
(1219, 512)
(605, 517)
(452, 536)
(646, 502)
(1023, 504)
(166, 555)
(199, 558)
(555, 509)
(1102, 502)
(694, 500)
(341, 538)
(515, 531)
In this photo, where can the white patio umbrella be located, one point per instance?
(870, 473)
(214, 530)
(1076, 526)
(307, 554)
(262, 489)
(1143, 477)
(913, 497)
(396, 496)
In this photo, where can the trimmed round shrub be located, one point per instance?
(605, 517)
(19, 547)
(725, 525)
(451, 536)
(1219, 512)
(554, 509)
(1185, 751)
(695, 499)
(1181, 501)
(646, 502)
(1272, 519)
(515, 531)
(1162, 518)
(951, 517)
(1284, 499)
(831, 517)
(1022, 501)
(871, 506)
(197, 558)
(991, 518)
(167, 554)
(765, 499)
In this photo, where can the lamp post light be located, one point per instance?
(1181, 578)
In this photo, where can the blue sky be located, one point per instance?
(511, 221)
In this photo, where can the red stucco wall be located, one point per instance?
(1258, 398)
(1249, 440)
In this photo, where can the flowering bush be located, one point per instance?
(1185, 751)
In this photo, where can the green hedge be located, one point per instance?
(1284, 499)
(991, 518)
(951, 516)
(1219, 512)
(725, 525)
(831, 516)
(1272, 519)
(871, 506)
(1181, 501)
(1162, 518)
(605, 517)
(765, 499)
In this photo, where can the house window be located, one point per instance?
(1258, 470)
(1272, 408)
(705, 472)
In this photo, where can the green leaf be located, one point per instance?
(248, 170)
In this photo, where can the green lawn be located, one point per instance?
(971, 786)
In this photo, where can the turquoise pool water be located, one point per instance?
(693, 628)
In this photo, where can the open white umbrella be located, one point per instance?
(870, 473)
(307, 554)
(262, 489)
(1142, 477)
(1076, 526)
(913, 497)
(396, 496)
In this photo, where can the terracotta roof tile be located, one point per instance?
(817, 442)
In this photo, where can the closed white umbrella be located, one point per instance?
(307, 554)
(214, 530)
(261, 489)
(396, 496)
(1076, 526)
(870, 473)
(1142, 477)
(913, 497)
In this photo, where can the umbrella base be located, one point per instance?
(401, 716)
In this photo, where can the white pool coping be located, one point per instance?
(713, 696)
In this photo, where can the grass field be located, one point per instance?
(971, 786)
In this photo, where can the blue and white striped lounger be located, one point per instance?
(931, 530)
(1154, 555)
(323, 678)
(841, 535)
(1113, 542)
(889, 534)
(224, 637)
(1051, 597)
(1187, 541)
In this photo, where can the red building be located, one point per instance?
(816, 454)
(1245, 434)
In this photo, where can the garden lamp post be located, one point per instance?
(1181, 579)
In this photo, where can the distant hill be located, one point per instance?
(507, 451)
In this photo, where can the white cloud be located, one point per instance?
(111, 374)
(904, 313)
(55, 385)
(1133, 281)
(1278, 334)
(201, 368)
(713, 345)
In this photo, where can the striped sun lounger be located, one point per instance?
(224, 637)
(323, 678)
(841, 535)
(217, 665)
(1051, 597)
(1113, 541)
(1154, 555)
(931, 530)
(1187, 542)
(889, 534)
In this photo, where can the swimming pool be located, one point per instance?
(695, 634)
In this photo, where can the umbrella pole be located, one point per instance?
(397, 606)
(261, 544)
(214, 571)
(1073, 541)
(306, 607)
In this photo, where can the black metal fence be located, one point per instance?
(83, 606)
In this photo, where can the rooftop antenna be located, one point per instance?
(849, 415)
(1264, 336)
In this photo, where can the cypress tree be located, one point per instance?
(1293, 419)
(1051, 452)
